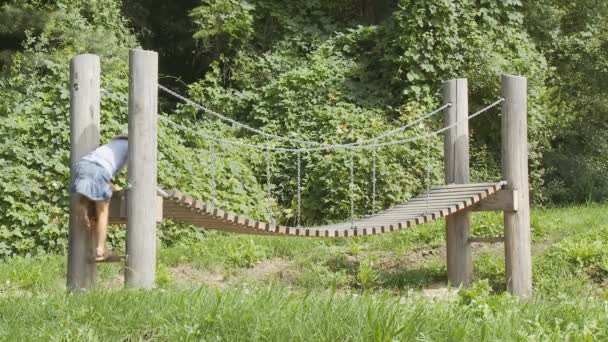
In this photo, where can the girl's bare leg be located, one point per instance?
(83, 211)
(103, 211)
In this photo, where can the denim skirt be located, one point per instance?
(91, 180)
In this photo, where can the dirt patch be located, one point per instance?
(182, 275)
(275, 268)
(116, 282)
(484, 248)
(190, 276)
(439, 290)
(419, 258)
(185, 275)
(411, 260)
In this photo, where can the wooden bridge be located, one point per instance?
(453, 201)
(428, 206)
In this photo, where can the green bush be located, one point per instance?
(331, 72)
(245, 254)
(367, 276)
(35, 131)
(34, 120)
(585, 254)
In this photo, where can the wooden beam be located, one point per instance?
(497, 239)
(84, 137)
(467, 185)
(502, 200)
(118, 208)
(140, 268)
(518, 254)
(456, 150)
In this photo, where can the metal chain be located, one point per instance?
(352, 190)
(373, 181)
(425, 136)
(404, 141)
(328, 147)
(403, 128)
(428, 174)
(365, 144)
(232, 121)
(322, 147)
(293, 140)
(299, 185)
(220, 141)
(269, 193)
(212, 152)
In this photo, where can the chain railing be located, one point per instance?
(368, 144)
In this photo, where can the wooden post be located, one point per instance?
(456, 148)
(140, 268)
(84, 137)
(518, 254)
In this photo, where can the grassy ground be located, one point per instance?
(230, 287)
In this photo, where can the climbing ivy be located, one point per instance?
(328, 71)
(34, 120)
(35, 130)
(362, 80)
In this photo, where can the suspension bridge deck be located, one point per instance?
(441, 201)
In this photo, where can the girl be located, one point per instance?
(92, 183)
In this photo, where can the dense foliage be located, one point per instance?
(572, 34)
(34, 125)
(337, 71)
(35, 121)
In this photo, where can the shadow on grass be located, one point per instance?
(393, 278)
(388, 278)
(413, 278)
(431, 274)
(342, 262)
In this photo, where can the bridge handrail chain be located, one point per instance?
(387, 134)
(328, 147)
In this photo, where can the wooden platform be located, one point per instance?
(442, 201)
(118, 207)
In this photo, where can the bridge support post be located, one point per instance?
(518, 254)
(84, 137)
(140, 270)
(456, 148)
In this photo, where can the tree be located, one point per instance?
(572, 34)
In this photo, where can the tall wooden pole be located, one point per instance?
(84, 137)
(141, 201)
(456, 148)
(518, 254)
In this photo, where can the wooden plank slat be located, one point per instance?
(431, 205)
(118, 208)
(454, 194)
(448, 192)
(470, 185)
(487, 239)
(502, 200)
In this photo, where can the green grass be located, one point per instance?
(274, 314)
(281, 289)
